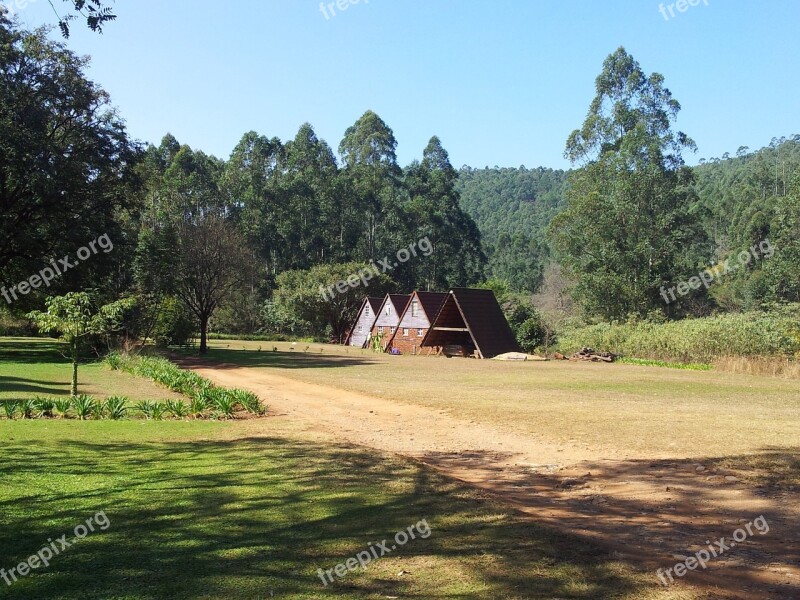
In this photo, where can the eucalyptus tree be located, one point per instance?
(457, 258)
(628, 229)
(368, 151)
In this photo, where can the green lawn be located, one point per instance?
(35, 367)
(202, 509)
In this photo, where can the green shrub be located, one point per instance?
(44, 406)
(702, 340)
(84, 405)
(151, 410)
(224, 405)
(248, 401)
(197, 407)
(10, 408)
(176, 408)
(114, 360)
(62, 406)
(26, 408)
(175, 325)
(116, 407)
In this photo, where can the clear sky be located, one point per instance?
(501, 82)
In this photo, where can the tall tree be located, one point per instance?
(370, 163)
(65, 159)
(457, 258)
(628, 230)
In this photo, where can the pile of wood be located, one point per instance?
(589, 354)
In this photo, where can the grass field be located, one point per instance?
(35, 367)
(622, 410)
(211, 510)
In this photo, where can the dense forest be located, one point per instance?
(739, 199)
(244, 244)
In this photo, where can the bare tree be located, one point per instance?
(213, 260)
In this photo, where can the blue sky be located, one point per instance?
(501, 82)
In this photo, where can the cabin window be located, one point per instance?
(388, 309)
(419, 333)
(405, 331)
(391, 329)
(380, 330)
(366, 310)
(360, 328)
(414, 308)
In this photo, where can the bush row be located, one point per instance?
(763, 334)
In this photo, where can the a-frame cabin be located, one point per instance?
(473, 319)
(416, 321)
(367, 314)
(388, 317)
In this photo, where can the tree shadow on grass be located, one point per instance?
(32, 386)
(30, 350)
(256, 518)
(231, 358)
(681, 503)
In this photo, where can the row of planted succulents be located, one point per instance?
(86, 407)
(204, 398)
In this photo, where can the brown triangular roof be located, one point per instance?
(477, 313)
(374, 304)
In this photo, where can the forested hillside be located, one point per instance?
(738, 200)
(513, 208)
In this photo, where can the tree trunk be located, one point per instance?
(74, 390)
(203, 334)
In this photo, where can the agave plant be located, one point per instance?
(44, 406)
(98, 410)
(146, 408)
(248, 401)
(151, 410)
(115, 407)
(84, 406)
(10, 408)
(197, 406)
(176, 408)
(26, 408)
(225, 405)
(62, 406)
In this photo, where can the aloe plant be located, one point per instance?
(84, 406)
(115, 407)
(44, 406)
(176, 408)
(248, 401)
(225, 405)
(62, 406)
(197, 406)
(10, 408)
(26, 408)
